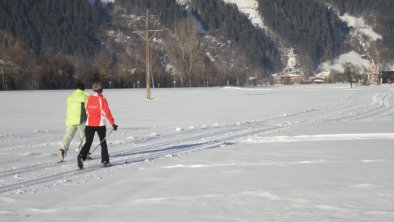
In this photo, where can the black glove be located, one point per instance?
(115, 127)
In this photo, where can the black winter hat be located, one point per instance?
(80, 85)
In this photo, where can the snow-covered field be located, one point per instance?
(295, 153)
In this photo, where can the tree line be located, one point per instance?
(50, 44)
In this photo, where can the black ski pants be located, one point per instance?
(89, 133)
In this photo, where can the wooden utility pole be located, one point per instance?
(147, 38)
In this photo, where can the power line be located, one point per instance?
(144, 34)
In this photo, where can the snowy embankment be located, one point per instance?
(297, 153)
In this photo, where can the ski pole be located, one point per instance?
(101, 141)
(79, 147)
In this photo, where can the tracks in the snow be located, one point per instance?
(175, 143)
(50, 172)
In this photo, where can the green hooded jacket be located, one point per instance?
(76, 113)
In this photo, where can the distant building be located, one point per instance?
(388, 77)
(373, 72)
(290, 76)
(319, 80)
(322, 77)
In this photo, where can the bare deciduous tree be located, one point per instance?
(186, 31)
(102, 63)
(6, 40)
(25, 62)
(350, 73)
(381, 55)
(125, 71)
(176, 60)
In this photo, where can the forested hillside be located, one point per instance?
(52, 26)
(378, 13)
(168, 11)
(50, 44)
(312, 28)
(226, 19)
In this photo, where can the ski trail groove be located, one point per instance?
(213, 138)
(160, 150)
(200, 139)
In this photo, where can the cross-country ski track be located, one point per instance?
(46, 170)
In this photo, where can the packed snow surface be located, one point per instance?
(294, 153)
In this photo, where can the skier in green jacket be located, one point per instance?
(75, 118)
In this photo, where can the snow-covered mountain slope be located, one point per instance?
(361, 37)
(250, 8)
(359, 40)
(361, 34)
